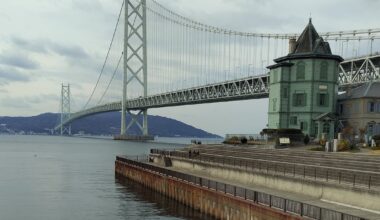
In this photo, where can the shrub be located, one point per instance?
(361, 134)
(322, 142)
(243, 140)
(344, 145)
(234, 138)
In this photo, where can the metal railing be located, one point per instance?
(346, 177)
(276, 202)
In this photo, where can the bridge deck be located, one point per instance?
(353, 72)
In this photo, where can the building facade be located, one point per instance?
(359, 108)
(303, 86)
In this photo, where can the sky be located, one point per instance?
(44, 43)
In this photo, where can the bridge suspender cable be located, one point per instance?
(113, 76)
(105, 61)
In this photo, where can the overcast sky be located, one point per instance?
(48, 42)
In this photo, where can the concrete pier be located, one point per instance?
(203, 197)
(341, 182)
(227, 199)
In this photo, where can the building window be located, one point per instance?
(370, 127)
(301, 71)
(285, 93)
(274, 104)
(326, 127)
(293, 120)
(371, 107)
(299, 99)
(323, 99)
(303, 125)
(323, 71)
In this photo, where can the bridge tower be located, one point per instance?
(65, 109)
(135, 60)
(304, 85)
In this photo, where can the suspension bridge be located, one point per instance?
(159, 58)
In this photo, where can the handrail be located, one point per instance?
(355, 179)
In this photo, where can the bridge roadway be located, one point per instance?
(362, 171)
(240, 89)
(353, 72)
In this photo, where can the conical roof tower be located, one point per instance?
(303, 86)
(310, 45)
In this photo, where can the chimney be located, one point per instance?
(292, 45)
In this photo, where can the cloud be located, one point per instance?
(87, 5)
(47, 46)
(11, 75)
(68, 51)
(17, 103)
(34, 46)
(17, 60)
(42, 98)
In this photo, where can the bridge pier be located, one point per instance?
(135, 121)
(135, 66)
(65, 109)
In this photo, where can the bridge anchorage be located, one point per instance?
(187, 62)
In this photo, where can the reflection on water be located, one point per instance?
(166, 206)
(54, 178)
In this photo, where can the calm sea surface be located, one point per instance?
(45, 177)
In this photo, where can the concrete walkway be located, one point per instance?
(296, 197)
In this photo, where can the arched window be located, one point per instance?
(323, 71)
(301, 71)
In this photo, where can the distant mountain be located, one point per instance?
(100, 124)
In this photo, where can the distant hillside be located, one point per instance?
(101, 124)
